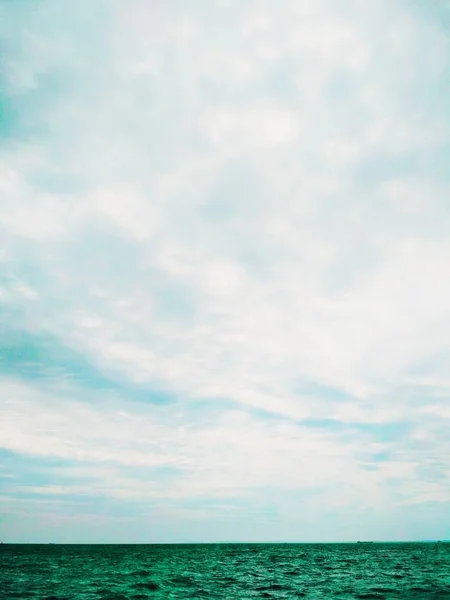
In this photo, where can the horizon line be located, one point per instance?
(180, 543)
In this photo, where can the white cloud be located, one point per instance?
(232, 202)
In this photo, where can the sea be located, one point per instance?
(370, 571)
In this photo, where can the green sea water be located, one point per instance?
(227, 571)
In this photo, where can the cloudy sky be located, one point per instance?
(224, 270)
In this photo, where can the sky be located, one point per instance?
(224, 270)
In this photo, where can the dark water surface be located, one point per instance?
(137, 572)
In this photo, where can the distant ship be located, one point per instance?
(364, 542)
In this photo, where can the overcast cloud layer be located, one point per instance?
(224, 270)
